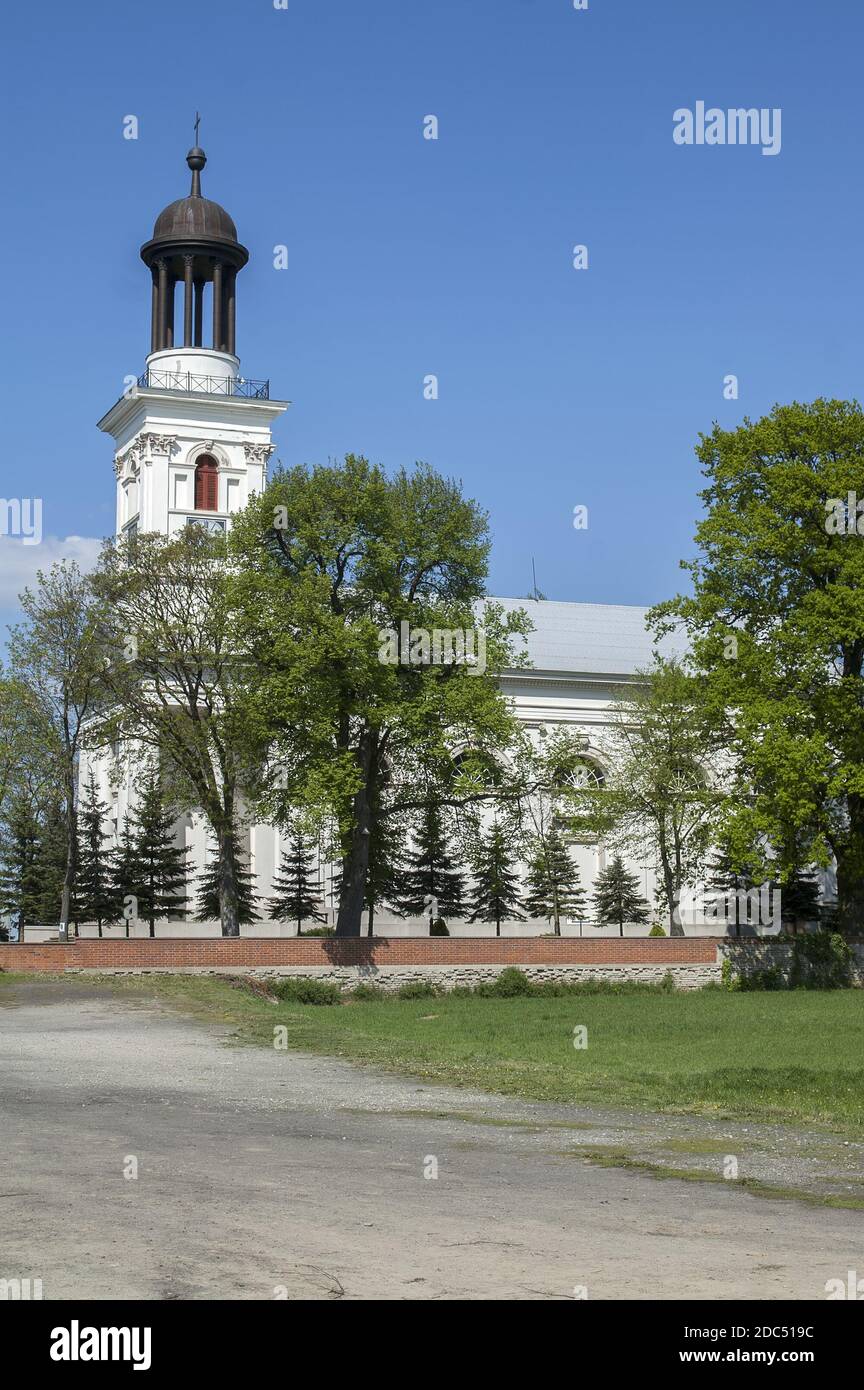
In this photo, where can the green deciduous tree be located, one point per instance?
(776, 621)
(55, 651)
(660, 802)
(617, 897)
(342, 575)
(177, 677)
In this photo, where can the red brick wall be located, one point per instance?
(322, 951)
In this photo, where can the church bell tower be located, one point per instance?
(192, 434)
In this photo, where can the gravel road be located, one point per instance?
(264, 1174)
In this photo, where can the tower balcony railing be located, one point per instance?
(154, 379)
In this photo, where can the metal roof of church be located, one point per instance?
(595, 638)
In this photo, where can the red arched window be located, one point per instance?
(206, 484)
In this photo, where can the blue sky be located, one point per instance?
(409, 257)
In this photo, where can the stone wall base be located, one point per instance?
(443, 977)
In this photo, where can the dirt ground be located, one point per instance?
(264, 1174)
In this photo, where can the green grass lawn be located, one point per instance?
(795, 1057)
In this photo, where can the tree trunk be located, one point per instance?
(673, 898)
(71, 857)
(850, 871)
(355, 865)
(228, 905)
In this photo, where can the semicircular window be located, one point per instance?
(581, 775)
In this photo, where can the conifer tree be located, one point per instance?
(296, 895)
(161, 870)
(554, 890)
(95, 896)
(51, 865)
(495, 895)
(20, 878)
(207, 901)
(724, 877)
(126, 874)
(435, 874)
(617, 897)
(799, 898)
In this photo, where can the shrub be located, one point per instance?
(367, 993)
(301, 990)
(509, 984)
(656, 930)
(439, 927)
(820, 960)
(320, 931)
(751, 981)
(416, 989)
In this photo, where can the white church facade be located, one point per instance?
(192, 441)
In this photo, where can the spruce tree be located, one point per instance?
(727, 881)
(800, 898)
(296, 895)
(207, 901)
(617, 897)
(126, 883)
(20, 877)
(495, 895)
(435, 874)
(554, 890)
(50, 864)
(161, 864)
(95, 894)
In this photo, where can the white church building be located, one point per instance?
(192, 440)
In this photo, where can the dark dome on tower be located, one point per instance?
(194, 218)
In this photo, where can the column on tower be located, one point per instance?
(169, 310)
(199, 310)
(218, 306)
(162, 305)
(188, 292)
(231, 310)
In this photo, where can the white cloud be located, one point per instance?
(19, 563)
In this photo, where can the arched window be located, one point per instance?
(583, 774)
(206, 484)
